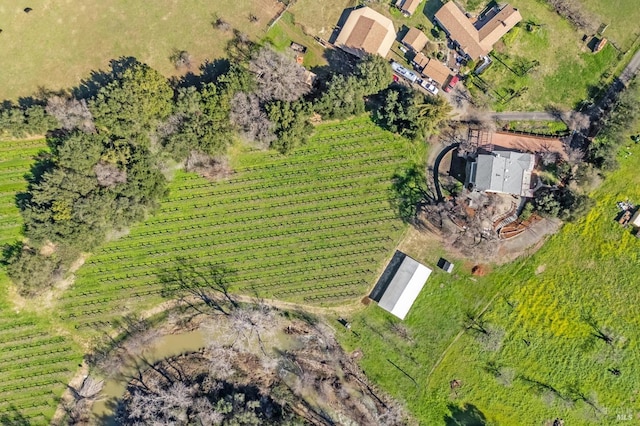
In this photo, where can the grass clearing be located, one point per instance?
(543, 360)
(319, 17)
(567, 72)
(559, 79)
(538, 127)
(58, 43)
(621, 16)
(286, 31)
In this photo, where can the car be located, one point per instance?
(452, 83)
(429, 87)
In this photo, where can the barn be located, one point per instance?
(400, 284)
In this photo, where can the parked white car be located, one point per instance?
(429, 87)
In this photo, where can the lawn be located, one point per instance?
(319, 18)
(553, 79)
(541, 358)
(286, 31)
(621, 16)
(59, 43)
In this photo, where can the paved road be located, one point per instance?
(631, 69)
(524, 116)
(607, 102)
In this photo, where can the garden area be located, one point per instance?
(528, 73)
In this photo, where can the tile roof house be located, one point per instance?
(437, 71)
(420, 61)
(366, 31)
(415, 39)
(476, 39)
(408, 7)
(506, 172)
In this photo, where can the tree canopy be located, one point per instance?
(291, 123)
(133, 103)
(409, 113)
(67, 204)
(374, 74)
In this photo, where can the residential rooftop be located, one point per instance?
(477, 39)
(506, 172)
(415, 39)
(366, 31)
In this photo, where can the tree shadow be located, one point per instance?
(13, 418)
(341, 21)
(208, 284)
(431, 7)
(211, 70)
(410, 194)
(468, 415)
(89, 87)
(338, 62)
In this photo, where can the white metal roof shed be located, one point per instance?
(404, 288)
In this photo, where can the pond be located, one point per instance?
(163, 347)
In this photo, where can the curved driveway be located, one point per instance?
(436, 166)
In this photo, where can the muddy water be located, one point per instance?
(163, 347)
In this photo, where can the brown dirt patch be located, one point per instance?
(480, 270)
(48, 249)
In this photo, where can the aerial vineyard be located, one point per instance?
(313, 227)
(35, 363)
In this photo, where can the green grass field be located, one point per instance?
(286, 31)
(313, 227)
(58, 43)
(543, 360)
(567, 72)
(621, 16)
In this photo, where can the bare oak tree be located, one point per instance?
(109, 175)
(254, 125)
(71, 113)
(278, 76)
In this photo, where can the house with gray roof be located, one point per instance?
(506, 172)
